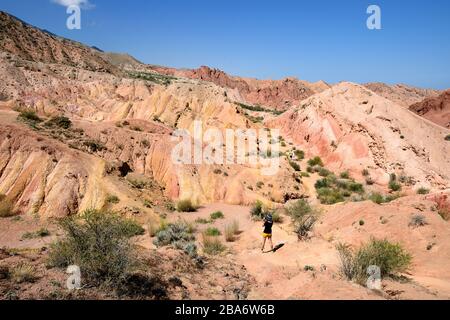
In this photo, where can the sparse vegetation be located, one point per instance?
(345, 175)
(153, 77)
(418, 220)
(365, 173)
(202, 221)
(98, 242)
(212, 245)
(316, 161)
(423, 190)
(113, 199)
(138, 184)
(29, 115)
(22, 273)
(217, 215)
(393, 184)
(258, 211)
(447, 137)
(277, 217)
(299, 154)
(331, 190)
(294, 165)
(136, 128)
(378, 198)
(212, 232)
(60, 122)
(94, 145)
(41, 233)
(231, 230)
(186, 206)
(304, 218)
(390, 258)
(179, 235)
(257, 108)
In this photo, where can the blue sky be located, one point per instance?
(311, 40)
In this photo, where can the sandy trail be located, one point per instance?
(282, 275)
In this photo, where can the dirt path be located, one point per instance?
(282, 275)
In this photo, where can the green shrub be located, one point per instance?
(379, 198)
(394, 186)
(356, 187)
(172, 233)
(41, 233)
(212, 245)
(186, 206)
(257, 210)
(212, 232)
(294, 165)
(178, 234)
(94, 145)
(323, 172)
(423, 191)
(112, 199)
(299, 154)
(98, 242)
(217, 215)
(308, 268)
(330, 196)
(322, 183)
(316, 161)
(202, 221)
(60, 122)
(345, 175)
(29, 115)
(390, 258)
(6, 207)
(304, 218)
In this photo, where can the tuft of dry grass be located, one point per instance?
(23, 273)
(212, 245)
(231, 230)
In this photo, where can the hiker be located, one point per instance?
(267, 234)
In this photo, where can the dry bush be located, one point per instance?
(186, 206)
(231, 230)
(212, 245)
(23, 273)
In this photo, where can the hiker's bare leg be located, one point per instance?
(271, 243)
(264, 244)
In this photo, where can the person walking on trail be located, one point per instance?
(267, 234)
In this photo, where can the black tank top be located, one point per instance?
(268, 227)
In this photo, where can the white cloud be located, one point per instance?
(85, 4)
